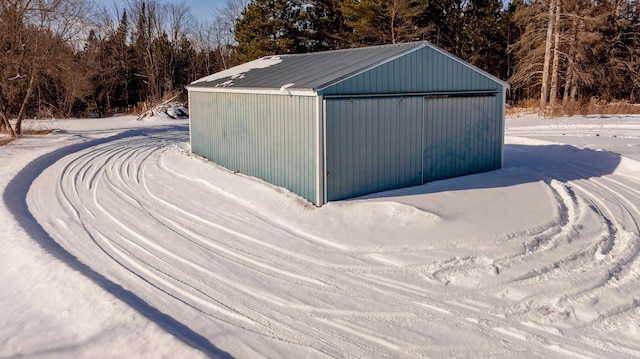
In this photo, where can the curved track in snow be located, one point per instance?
(258, 272)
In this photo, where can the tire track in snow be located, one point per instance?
(99, 187)
(95, 181)
(619, 285)
(195, 258)
(128, 263)
(613, 266)
(129, 246)
(16, 197)
(611, 235)
(347, 285)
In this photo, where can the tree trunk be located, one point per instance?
(544, 92)
(573, 39)
(556, 56)
(574, 88)
(23, 108)
(5, 123)
(567, 84)
(618, 8)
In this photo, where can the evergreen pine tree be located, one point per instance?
(184, 66)
(120, 64)
(270, 27)
(329, 30)
(142, 86)
(485, 45)
(376, 22)
(447, 19)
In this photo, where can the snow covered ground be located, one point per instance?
(117, 243)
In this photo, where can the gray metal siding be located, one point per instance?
(272, 137)
(372, 144)
(381, 143)
(423, 70)
(463, 135)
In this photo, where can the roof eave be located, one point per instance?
(290, 91)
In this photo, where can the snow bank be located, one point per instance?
(171, 110)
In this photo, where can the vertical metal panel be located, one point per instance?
(373, 144)
(463, 135)
(424, 70)
(272, 137)
(321, 179)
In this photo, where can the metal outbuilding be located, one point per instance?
(339, 124)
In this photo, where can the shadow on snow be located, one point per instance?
(15, 196)
(523, 164)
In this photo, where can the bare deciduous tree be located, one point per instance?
(544, 93)
(36, 36)
(553, 93)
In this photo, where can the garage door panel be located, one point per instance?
(462, 136)
(376, 144)
(372, 145)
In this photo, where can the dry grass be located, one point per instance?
(4, 139)
(581, 107)
(523, 107)
(616, 108)
(29, 128)
(34, 132)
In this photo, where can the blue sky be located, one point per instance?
(202, 9)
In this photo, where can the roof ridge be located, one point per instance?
(361, 48)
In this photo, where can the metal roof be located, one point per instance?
(311, 71)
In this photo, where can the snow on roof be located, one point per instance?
(309, 71)
(238, 72)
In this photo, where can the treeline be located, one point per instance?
(70, 57)
(551, 50)
(74, 58)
